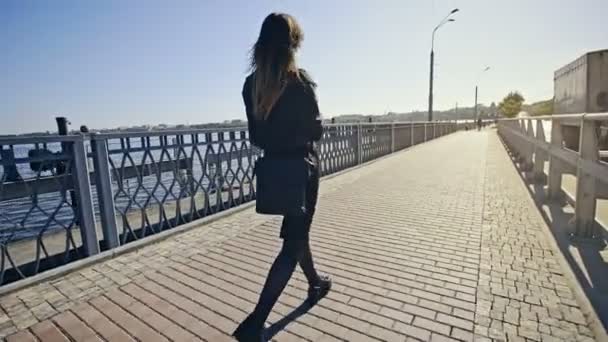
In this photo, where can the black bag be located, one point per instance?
(281, 186)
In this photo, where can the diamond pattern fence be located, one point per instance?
(63, 198)
(41, 224)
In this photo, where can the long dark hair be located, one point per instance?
(273, 60)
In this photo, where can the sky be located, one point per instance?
(119, 63)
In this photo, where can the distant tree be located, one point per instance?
(511, 105)
(542, 108)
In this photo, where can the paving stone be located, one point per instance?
(431, 325)
(440, 338)
(462, 334)
(455, 321)
(413, 331)
(529, 334)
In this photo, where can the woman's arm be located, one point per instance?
(316, 127)
(255, 136)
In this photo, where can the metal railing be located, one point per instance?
(574, 145)
(63, 198)
(41, 225)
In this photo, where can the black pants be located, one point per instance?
(296, 250)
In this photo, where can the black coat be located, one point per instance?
(294, 121)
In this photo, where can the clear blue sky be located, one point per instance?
(114, 63)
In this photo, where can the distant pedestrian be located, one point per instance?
(478, 124)
(283, 119)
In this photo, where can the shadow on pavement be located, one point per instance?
(277, 327)
(583, 255)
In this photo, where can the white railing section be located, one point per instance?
(570, 144)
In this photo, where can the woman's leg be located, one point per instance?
(307, 265)
(312, 193)
(277, 279)
(296, 249)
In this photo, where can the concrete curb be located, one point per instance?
(586, 307)
(156, 238)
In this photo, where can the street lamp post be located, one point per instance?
(443, 22)
(476, 86)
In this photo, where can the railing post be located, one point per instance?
(85, 211)
(434, 130)
(555, 167)
(516, 143)
(219, 173)
(66, 147)
(538, 171)
(584, 210)
(105, 197)
(412, 132)
(521, 151)
(528, 148)
(359, 144)
(425, 133)
(10, 167)
(392, 137)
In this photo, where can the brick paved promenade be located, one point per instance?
(437, 243)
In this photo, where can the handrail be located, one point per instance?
(562, 117)
(39, 139)
(15, 140)
(596, 116)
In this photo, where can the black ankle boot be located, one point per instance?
(318, 291)
(250, 330)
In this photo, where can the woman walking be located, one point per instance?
(283, 119)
